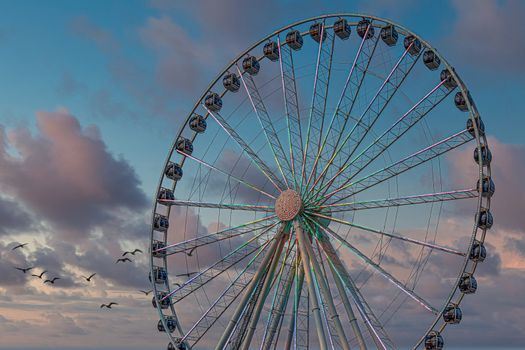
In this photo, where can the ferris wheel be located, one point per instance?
(308, 200)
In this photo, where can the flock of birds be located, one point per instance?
(52, 280)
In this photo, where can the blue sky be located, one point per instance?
(129, 72)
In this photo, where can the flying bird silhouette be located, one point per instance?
(132, 252)
(123, 260)
(89, 278)
(146, 293)
(24, 270)
(108, 305)
(20, 246)
(187, 274)
(52, 281)
(190, 253)
(41, 274)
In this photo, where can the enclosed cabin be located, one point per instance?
(158, 249)
(173, 171)
(485, 220)
(487, 187)
(342, 29)
(479, 124)
(316, 31)
(486, 155)
(160, 275)
(478, 252)
(412, 44)
(461, 102)
(431, 60)
(184, 145)
(467, 284)
(231, 82)
(251, 65)
(161, 223)
(213, 102)
(452, 314)
(197, 123)
(447, 79)
(271, 51)
(389, 35)
(294, 39)
(179, 345)
(171, 324)
(165, 194)
(364, 27)
(164, 300)
(434, 341)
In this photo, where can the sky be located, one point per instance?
(91, 96)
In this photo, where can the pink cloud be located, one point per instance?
(66, 175)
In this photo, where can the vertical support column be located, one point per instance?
(348, 308)
(246, 297)
(311, 287)
(297, 297)
(325, 291)
(265, 290)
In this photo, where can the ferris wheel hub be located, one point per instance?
(288, 205)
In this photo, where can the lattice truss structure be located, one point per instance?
(318, 196)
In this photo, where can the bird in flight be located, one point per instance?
(108, 305)
(146, 292)
(89, 278)
(19, 246)
(52, 281)
(132, 252)
(187, 274)
(41, 274)
(123, 260)
(190, 253)
(24, 270)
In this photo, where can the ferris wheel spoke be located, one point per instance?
(415, 114)
(224, 301)
(216, 269)
(335, 327)
(392, 235)
(379, 269)
(266, 123)
(248, 207)
(406, 200)
(418, 158)
(291, 106)
(281, 295)
(245, 183)
(348, 97)
(373, 325)
(318, 105)
(259, 163)
(255, 283)
(373, 111)
(188, 246)
(266, 287)
(315, 308)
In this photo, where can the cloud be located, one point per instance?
(83, 27)
(181, 59)
(66, 175)
(13, 218)
(488, 34)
